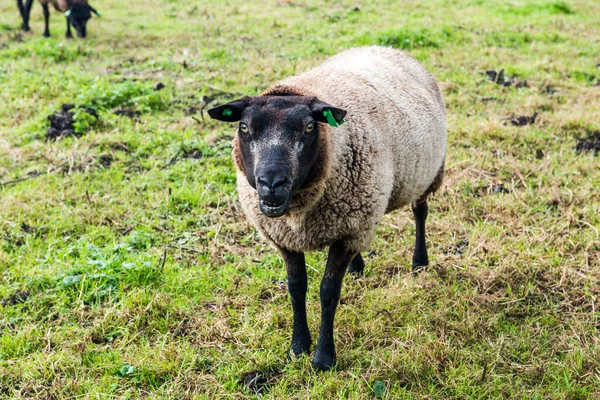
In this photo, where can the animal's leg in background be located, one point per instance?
(28, 5)
(25, 25)
(69, 34)
(420, 258)
(331, 286)
(297, 285)
(22, 12)
(46, 20)
(357, 265)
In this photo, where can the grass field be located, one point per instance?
(129, 271)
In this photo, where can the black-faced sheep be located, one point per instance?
(307, 180)
(77, 12)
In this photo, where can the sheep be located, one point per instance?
(77, 13)
(322, 156)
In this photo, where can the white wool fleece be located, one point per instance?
(389, 152)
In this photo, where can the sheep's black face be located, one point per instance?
(78, 17)
(278, 140)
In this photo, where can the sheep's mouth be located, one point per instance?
(274, 209)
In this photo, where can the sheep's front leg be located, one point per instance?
(28, 5)
(21, 8)
(69, 34)
(24, 10)
(331, 287)
(297, 285)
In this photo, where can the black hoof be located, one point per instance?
(69, 36)
(419, 266)
(46, 34)
(418, 269)
(323, 361)
(357, 265)
(25, 28)
(300, 347)
(420, 260)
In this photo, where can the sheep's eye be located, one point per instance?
(309, 127)
(244, 127)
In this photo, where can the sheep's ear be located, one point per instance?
(230, 112)
(327, 113)
(92, 9)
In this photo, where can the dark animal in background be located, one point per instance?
(307, 180)
(77, 13)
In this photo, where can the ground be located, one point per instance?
(128, 269)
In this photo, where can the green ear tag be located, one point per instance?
(330, 120)
(67, 13)
(227, 112)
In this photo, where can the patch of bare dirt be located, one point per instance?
(501, 79)
(591, 143)
(127, 112)
(61, 122)
(259, 382)
(17, 298)
(522, 120)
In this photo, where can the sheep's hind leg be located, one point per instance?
(297, 285)
(331, 285)
(420, 259)
(357, 265)
(46, 20)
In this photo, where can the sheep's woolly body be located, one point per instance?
(386, 155)
(63, 5)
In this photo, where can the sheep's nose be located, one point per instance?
(272, 187)
(272, 182)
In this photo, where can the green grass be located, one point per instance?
(129, 271)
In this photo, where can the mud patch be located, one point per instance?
(522, 120)
(501, 79)
(61, 122)
(17, 298)
(591, 143)
(27, 228)
(499, 189)
(105, 160)
(548, 90)
(259, 382)
(127, 112)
